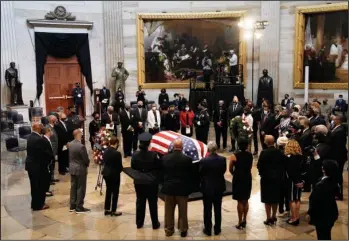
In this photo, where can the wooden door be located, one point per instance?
(60, 78)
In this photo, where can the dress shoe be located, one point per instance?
(294, 223)
(157, 226)
(52, 183)
(72, 209)
(82, 210)
(125, 156)
(115, 214)
(184, 234)
(217, 232)
(139, 226)
(55, 180)
(45, 207)
(49, 194)
(208, 233)
(106, 213)
(169, 234)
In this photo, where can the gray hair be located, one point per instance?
(110, 107)
(212, 147)
(321, 129)
(60, 109)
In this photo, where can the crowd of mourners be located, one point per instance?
(304, 149)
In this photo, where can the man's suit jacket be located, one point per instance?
(151, 119)
(306, 139)
(47, 154)
(63, 135)
(219, 116)
(126, 121)
(78, 158)
(267, 123)
(317, 120)
(341, 104)
(338, 140)
(212, 169)
(178, 172)
(172, 122)
(34, 162)
(322, 202)
(285, 102)
(105, 95)
(106, 119)
(233, 113)
(140, 117)
(53, 139)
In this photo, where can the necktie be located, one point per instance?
(156, 118)
(234, 107)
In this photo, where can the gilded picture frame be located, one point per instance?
(300, 27)
(141, 17)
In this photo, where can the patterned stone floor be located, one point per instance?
(19, 222)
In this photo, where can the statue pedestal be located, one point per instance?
(21, 109)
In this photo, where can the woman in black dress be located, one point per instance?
(271, 166)
(240, 167)
(293, 153)
(111, 174)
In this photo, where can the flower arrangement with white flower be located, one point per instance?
(101, 143)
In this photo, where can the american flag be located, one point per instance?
(162, 143)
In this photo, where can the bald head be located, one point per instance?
(269, 140)
(77, 134)
(178, 145)
(321, 129)
(37, 127)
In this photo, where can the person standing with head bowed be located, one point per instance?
(111, 174)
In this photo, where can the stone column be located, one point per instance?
(8, 46)
(270, 43)
(113, 40)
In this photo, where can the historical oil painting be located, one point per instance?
(177, 50)
(325, 46)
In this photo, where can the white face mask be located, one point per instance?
(187, 108)
(154, 108)
(265, 112)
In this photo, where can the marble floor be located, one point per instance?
(19, 222)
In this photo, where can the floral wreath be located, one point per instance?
(102, 139)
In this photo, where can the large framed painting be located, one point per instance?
(321, 42)
(172, 47)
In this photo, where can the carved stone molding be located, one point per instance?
(59, 23)
(60, 13)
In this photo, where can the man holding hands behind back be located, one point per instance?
(78, 165)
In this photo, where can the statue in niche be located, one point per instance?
(121, 75)
(60, 13)
(12, 81)
(265, 89)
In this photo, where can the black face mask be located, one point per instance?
(139, 106)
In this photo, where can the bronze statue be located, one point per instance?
(12, 81)
(265, 89)
(121, 75)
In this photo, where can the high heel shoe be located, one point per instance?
(244, 224)
(294, 223)
(274, 220)
(269, 222)
(240, 226)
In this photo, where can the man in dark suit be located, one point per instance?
(235, 109)
(54, 141)
(340, 104)
(93, 128)
(338, 141)
(104, 96)
(110, 117)
(63, 137)
(78, 94)
(212, 169)
(306, 138)
(316, 119)
(127, 129)
(47, 157)
(221, 124)
(177, 185)
(37, 168)
(323, 210)
(267, 124)
(79, 162)
(171, 120)
(285, 101)
(140, 115)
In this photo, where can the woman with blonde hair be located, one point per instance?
(293, 153)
